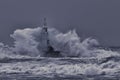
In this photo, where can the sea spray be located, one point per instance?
(69, 44)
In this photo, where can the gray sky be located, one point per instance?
(97, 18)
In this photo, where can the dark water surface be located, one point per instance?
(31, 77)
(59, 69)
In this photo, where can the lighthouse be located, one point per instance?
(44, 37)
(45, 46)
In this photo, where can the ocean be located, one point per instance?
(60, 68)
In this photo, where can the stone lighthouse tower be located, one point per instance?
(45, 46)
(44, 38)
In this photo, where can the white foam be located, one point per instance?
(39, 68)
(27, 41)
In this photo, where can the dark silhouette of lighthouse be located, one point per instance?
(46, 47)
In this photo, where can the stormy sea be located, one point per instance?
(60, 69)
(80, 60)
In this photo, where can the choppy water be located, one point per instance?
(60, 68)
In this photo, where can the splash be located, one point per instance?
(25, 56)
(69, 44)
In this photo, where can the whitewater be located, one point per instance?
(24, 60)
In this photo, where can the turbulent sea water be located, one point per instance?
(24, 61)
(60, 68)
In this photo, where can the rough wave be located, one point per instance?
(27, 41)
(25, 56)
(51, 67)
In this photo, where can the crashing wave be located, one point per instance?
(69, 44)
(25, 57)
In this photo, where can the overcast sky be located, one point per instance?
(91, 18)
